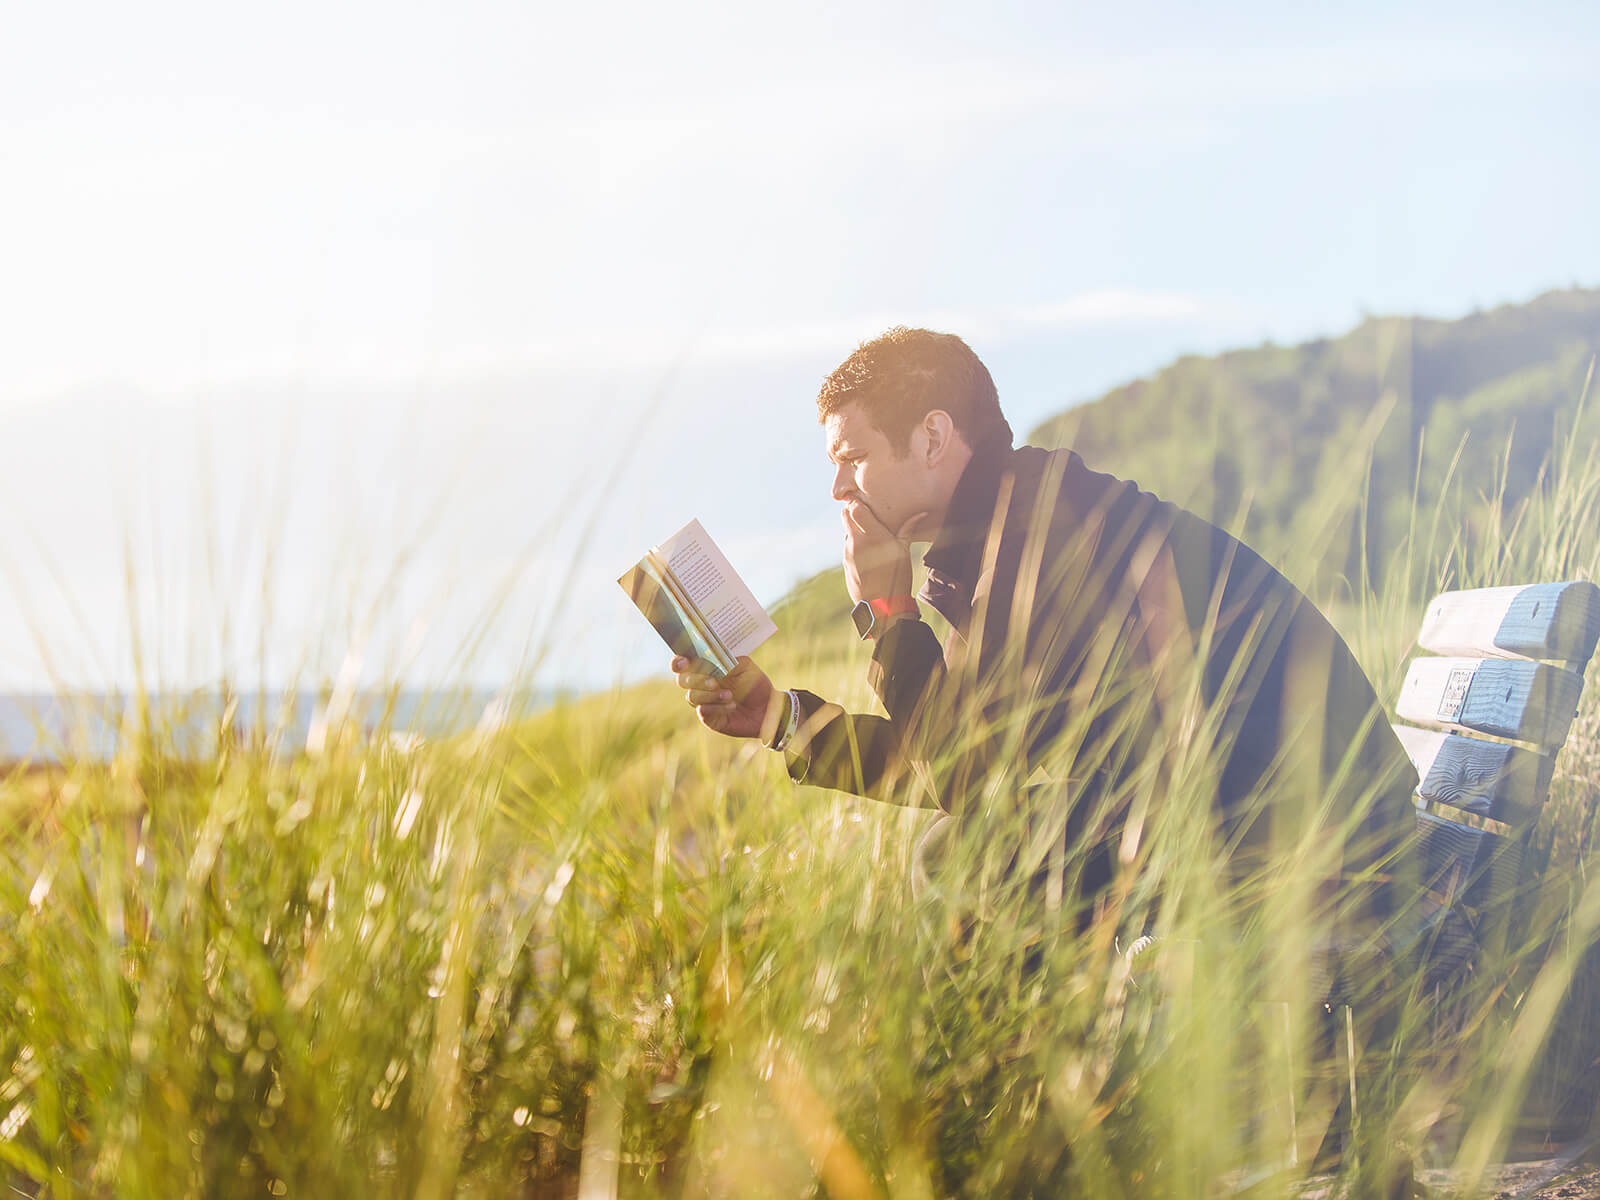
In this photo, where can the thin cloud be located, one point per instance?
(1126, 307)
(911, 96)
(926, 100)
(650, 350)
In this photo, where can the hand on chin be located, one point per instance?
(877, 558)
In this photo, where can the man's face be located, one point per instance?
(869, 474)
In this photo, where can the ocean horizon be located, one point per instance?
(78, 726)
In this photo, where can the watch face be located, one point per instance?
(864, 618)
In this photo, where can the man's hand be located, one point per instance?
(877, 559)
(743, 703)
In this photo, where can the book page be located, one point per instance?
(702, 627)
(654, 597)
(710, 581)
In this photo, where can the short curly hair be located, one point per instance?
(903, 374)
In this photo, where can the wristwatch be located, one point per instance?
(871, 616)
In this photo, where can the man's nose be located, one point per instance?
(842, 482)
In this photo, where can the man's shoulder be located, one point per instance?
(1032, 464)
(1035, 457)
(1083, 489)
(1089, 487)
(1072, 487)
(1037, 461)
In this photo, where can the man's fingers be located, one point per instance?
(715, 716)
(703, 689)
(858, 518)
(703, 685)
(861, 519)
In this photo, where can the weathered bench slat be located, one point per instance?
(1467, 865)
(1512, 698)
(1468, 877)
(1489, 779)
(1543, 620)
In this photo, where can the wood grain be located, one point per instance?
(1551, 621)
(1511, 698)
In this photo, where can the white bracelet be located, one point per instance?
(792, 724)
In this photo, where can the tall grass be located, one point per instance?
(602, 951)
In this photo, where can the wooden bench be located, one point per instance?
(1489, 709)
(1510, 665)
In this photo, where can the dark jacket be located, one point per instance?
(1097, 635)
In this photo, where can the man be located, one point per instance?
(1105, 650)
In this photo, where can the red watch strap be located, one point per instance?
(891, 606)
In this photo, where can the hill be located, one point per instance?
(1276, 439)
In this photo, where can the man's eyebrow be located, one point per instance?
(838, 450)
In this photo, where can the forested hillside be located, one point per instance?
(1279, 437)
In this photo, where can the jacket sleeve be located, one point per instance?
(866, 754)
(927, 752)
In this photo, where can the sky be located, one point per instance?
(383, 337)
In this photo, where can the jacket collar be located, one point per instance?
(956, 553)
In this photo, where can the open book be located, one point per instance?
(689, 591)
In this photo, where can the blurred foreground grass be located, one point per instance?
(601, 949)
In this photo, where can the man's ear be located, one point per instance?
(939, 431)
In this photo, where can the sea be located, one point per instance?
(47, 728)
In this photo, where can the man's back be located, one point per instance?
(1096, 634)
